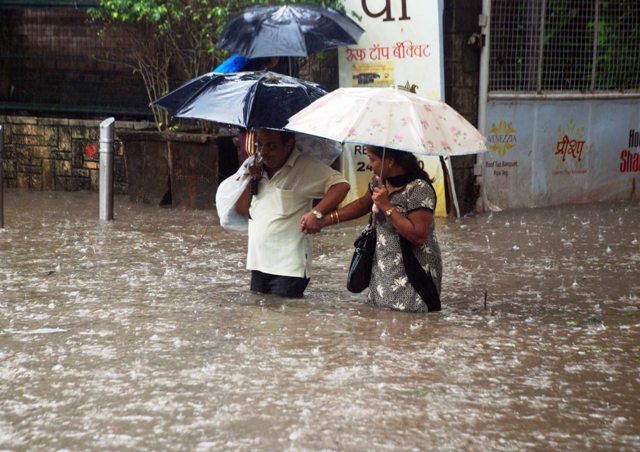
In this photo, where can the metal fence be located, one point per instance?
(579, 46)
(53, 61)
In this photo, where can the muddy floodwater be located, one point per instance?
(141, 334)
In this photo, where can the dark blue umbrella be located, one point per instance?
(246, 99)
(288, 30)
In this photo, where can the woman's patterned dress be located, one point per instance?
(389, 286)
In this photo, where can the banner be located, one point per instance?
(401, 45)
(549, 152)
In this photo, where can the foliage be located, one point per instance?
(173, 39)
(618, 57)
(586, 45)
(615, 33)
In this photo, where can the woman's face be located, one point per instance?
(375, 162)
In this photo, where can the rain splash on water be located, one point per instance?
(141, 334)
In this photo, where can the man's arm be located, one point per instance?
(309, 224)
(243, 203)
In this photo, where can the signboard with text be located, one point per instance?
(401, 45)
(561, 151)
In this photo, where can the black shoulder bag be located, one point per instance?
(359, 274)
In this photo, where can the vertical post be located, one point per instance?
(106, 169)
(1, 178)
(594, 60)
(483, 94)
(541, 47)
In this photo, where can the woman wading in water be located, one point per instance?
(407, 266)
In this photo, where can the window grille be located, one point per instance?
(51, 61)
(545, 46)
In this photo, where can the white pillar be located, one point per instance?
(106, 169)
(484, 22)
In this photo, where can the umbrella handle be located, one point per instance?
(255, 180)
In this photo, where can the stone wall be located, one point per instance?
(58, 154)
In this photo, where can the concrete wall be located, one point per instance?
(461, 74)
(58, 154)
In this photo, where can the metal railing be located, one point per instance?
(53, 61)
(564, 46)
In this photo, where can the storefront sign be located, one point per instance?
(549, 152)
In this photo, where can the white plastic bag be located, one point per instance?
(228, 193)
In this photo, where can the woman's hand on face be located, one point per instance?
(380, 196)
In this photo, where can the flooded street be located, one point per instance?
(141, 334)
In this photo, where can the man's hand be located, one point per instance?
(254, 170)
(309, 224)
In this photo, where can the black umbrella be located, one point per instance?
(246, 99)
(288, 30)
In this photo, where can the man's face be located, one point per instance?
(273, 151)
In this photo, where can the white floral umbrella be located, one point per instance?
(389, 117)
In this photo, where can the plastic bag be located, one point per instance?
(229, 191)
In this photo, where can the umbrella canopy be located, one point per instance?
(392, 118)
(245, 99)
(288, 30)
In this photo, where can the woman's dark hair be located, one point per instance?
(406, 160)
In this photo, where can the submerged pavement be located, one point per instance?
(141, 334)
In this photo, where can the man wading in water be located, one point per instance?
(281, 214)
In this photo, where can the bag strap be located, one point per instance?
(419, 279)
